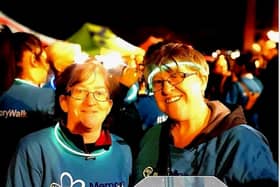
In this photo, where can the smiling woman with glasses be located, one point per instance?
(200, 137)
(79, 148)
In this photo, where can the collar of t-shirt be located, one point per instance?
(103, 142)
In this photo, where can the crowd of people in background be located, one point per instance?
(250, 81)
(171, 112)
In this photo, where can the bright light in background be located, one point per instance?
(216, 53)
(269, 44)
(80, 57)
(111, 60)
(256, 47)
(273, 36)
(235, 54)
(257, 63)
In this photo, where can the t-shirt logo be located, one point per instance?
(66, 180)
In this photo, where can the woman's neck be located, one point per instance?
(89, 135)
(185, 132)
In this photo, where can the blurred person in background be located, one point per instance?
(220, 77)
(267, 105)
(246, 89)
(136, 110)
(24, 105)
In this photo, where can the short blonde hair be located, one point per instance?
(173, 53)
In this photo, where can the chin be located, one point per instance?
(178, 117)
(89, 123)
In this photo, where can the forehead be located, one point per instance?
(95, 80)
(173, 67)
(166, 72)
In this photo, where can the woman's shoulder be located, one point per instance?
(118, 140)
(26, 90)
(38, 136)
(246, 134)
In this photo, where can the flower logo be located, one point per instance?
(66, 180)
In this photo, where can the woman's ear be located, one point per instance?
(28, 59)
(63, 103)
(32, 60)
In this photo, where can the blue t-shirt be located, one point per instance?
(24, 108)
(23, 98)
(48, 158)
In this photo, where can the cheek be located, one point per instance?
(194, 89)
(161, 106)
(73, 112)
(108, 107)
(74, 108)
(160, 103)
(67, 106)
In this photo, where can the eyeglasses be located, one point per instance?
(80, 94)
(173, 79)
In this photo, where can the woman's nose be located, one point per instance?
(166, 87)
(90, 99)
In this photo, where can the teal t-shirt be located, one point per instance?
(48, 158)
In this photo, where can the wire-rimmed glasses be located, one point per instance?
(173, 79)
(80, 94)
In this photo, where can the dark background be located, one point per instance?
(206, 24)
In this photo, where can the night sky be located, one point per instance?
(207, 25)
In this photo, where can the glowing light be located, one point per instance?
(235, 54)
(256, 47)
(257, 63)
(111, 60)
(273, 36)
(269, 44)
(80, 57)
(214, 54)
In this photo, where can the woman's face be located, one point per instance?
(85, 111)
(37, 65)
(180, 100)
(44, 67)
